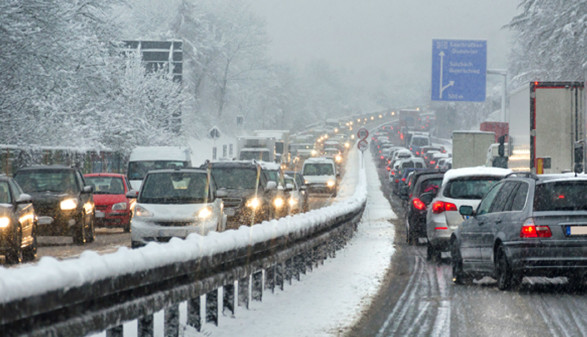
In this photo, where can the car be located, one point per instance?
(246, 191)
(462, 186)
(299, 180)
(113, 208)
(417, 142)
(175, 203)
(295, 196)
(526, 225)
(320, 176)
(18, 227)
(397, 173)
(278, 199)
(63, 202)
(425, 185)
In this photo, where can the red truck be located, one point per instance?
(499, 128)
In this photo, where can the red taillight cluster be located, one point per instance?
(441, 206)
(530, 230)
(418, 204)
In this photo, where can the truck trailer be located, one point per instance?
(469, 148)
(547, 127)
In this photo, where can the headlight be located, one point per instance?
(4, 222)
(306, 182)
(338, 158)
(121, 206)
(254, 203)
(330, 183)
(68, 204)
(292, 202)
(278, 202)
(204, 213)
(141, 211)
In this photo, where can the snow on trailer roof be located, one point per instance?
(475, 171)
(142, 153)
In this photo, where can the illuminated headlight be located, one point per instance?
(314, 153)
(205, 213)
(306, 182)
(338, 158)
(4, 222)
(141, 211)
(254, 203)
(121, 206)
(330, 183)
(68, 204)
(278, 202)
(292, 202)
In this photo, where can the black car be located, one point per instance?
(245, 189)
(424, 187)
(64, 204)
(18, 229)
(526, 225)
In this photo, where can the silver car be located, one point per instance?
(460, 187)
(525, 226)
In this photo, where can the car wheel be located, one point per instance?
(30, 253)
(432, 254)
(503, 272)
(79, 233)
(91, 234)
(14, 254)
(458, 275)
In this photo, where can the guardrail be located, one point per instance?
(213, 273)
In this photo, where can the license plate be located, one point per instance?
(45, 220)
(230, 211)
(576, 230)
(100, 214)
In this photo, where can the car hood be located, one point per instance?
(239, 193)
(318, 179)
(109, 199)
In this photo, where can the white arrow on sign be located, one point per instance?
(450, 83)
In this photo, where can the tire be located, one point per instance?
(432, 254)
(506, 279)
(30, 253)
(458, 275)
(79, 233)
(91, 231)
(14, 255)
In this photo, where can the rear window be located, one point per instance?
(420, 141)
(469, 187)
(318, 169)
(430, 185)
(561, 196)
(59, 181)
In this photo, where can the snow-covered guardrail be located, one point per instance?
(95, 292)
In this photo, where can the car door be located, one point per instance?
(24, 212)
(494, 221)
(471, 230)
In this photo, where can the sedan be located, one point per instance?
(525, 226)
(18, 227)
(113, 208)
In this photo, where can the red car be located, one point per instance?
(113, 209)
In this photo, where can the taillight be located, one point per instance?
(388, 168)
(530, 230)
(403, 179)
(418, 204)
(441, 206)
(382, 157)
(417, 153)
(432, 162)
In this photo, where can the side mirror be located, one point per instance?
(272, 185)
(132, 194)
(466, 211)
(24, 199)
(88, 189)
(427, 197)
(221, 193)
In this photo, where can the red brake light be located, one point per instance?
(418, 204)
(403, 179)
(432, 162)
(388, 168)
(441, 206)
(382, 157)
(530, 230)
(417, 153)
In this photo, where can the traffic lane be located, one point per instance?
(108, 240)
(418, 298)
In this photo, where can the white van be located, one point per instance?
(146, 158)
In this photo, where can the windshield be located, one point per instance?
(59, 181)
(561, 196)
(318, 169)
(234, 178)
(469, 187)
(106, 185)
(420, 141)
(174, 188)
(4, 193)
(138, 169)
(254, 155)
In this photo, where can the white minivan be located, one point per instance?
(320, 175)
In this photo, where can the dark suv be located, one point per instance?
(424, 186)
(64, 204)
(245, 190)
(526, 225)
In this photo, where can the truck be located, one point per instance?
(500, 129)
(469, 148)
(257, 148)
(547, 127)
(146, 158)
(281, 143)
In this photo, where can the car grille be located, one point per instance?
(232, 202)
(175, 223)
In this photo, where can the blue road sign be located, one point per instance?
(459, 69)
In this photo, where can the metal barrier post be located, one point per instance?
(194, 318)
(171, 317)
(145, 326)
(243, 291)
(228, 298)
(212, 307)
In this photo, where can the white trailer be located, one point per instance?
(469, 148)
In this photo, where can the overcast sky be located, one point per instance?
(392, 35)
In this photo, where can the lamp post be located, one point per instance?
(503, 73)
